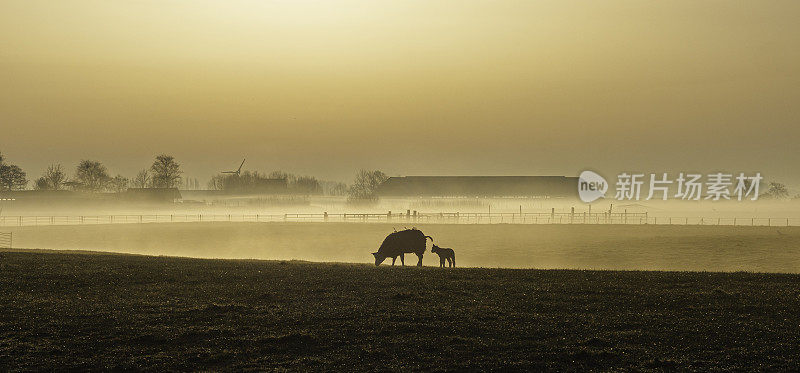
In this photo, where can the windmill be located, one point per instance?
(238, 172)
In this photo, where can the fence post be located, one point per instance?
(389, 216)
(553, 214)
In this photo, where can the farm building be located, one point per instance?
(152, 194)
(479, 186)
(248, 185)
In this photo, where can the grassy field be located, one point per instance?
(617, 247)
(107, 311)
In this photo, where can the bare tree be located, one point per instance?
(54, 178)
(306, 185)
(282, 175)
(41, 184)
(247, 182)
(365, 186)
(190, 183)
(333, 188)
(119, 183)
(216, 182)
(142, 179)
(166, 172)
(91, 176)
(777, 191)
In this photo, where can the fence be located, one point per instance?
(6, 240)
(551, 217)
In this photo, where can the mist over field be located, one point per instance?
(760, 236)
(620, 247)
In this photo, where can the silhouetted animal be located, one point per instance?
(399, 243)
(445, 254)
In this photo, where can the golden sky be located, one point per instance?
(409, 87)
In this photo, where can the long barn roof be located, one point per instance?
(479, 186)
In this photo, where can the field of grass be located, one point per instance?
(614, 247)
(68, 310)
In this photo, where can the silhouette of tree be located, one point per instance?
(41, 184)
(54, 178)
(118, 183)
(365, 186)
(777, 191)
(142, 179)
(166, 172)
(305, 185)
(11, 176)
(216, 182)
(247, 182)
(91, 176)
(281, 175)
(333, 188)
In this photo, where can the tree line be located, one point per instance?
(165, 172)
(93, 176)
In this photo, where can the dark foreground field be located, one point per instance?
(104, 311)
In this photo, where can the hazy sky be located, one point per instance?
(410, 87)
